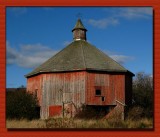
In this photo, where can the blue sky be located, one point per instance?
(34, 34)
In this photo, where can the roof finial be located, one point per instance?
(79, 15)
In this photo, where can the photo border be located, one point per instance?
(4, 132)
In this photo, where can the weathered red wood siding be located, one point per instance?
(77, 88)
(112, 88)
(65, 87)
(34, 84)
(55, 88)
(119, 87)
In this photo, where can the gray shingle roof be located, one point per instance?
(79, 55)
(79, 25)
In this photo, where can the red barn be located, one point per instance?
(78, 75)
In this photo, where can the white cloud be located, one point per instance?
(65, 43)
(103, 23)
(121, 59)
(115, 15)
(11, 55)
(133, 12)
(29, 56)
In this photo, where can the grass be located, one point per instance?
(24, 123)
(80, 123)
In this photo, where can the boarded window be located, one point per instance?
(98, 92)
(55, 110)
(103, 98)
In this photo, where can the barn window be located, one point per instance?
(103, 98)
(98, 92)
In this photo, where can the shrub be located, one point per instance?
(85, 112)
(21, 104)
(135, 113)
(90, 112)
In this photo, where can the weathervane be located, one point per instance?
(79, 15)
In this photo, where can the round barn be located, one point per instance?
(80, 75)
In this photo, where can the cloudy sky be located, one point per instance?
(34, 34)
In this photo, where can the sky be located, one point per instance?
(34, 34)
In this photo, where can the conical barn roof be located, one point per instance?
(79, 55)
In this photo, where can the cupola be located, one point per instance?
(79, 31)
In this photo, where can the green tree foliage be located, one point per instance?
(21, 104)
(143, 93)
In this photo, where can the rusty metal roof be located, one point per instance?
(79, 55)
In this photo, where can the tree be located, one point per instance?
(143, 93)
(21, 104)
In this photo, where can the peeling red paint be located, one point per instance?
(55, 110)
(111, 86)
(78, 88)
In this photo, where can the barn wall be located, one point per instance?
(72, 89)
(55, 88)
(34, 85)
(123, 99)
(112, 88)
(119, 85)
(65, 87)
